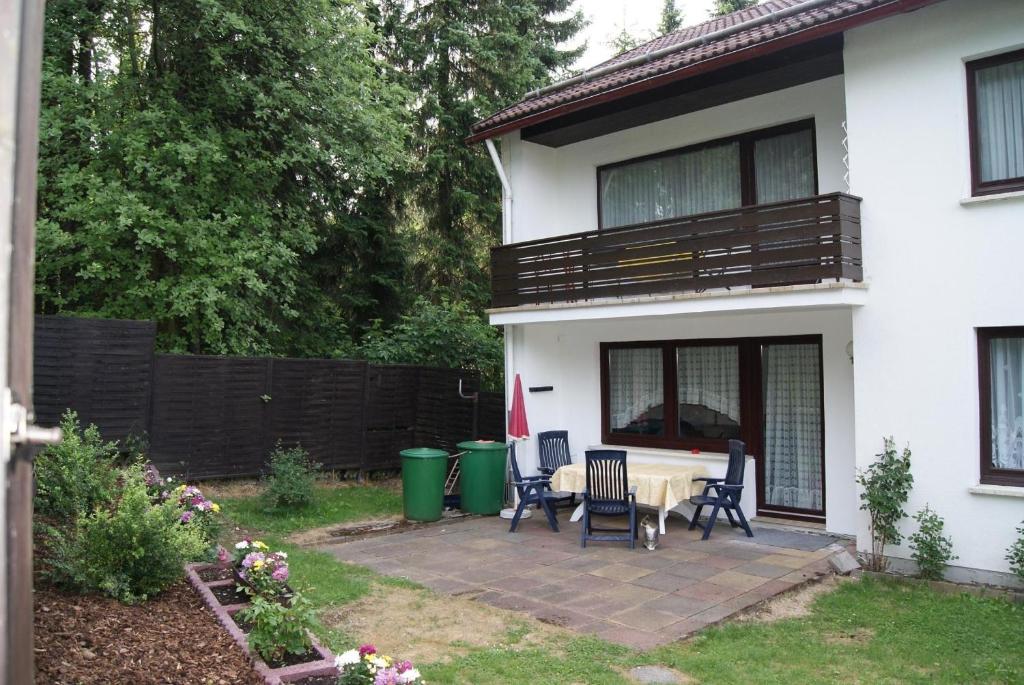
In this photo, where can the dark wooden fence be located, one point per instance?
(799, 241)
(209, 417)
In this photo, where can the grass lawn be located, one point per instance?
(867, 631)
(334, 503)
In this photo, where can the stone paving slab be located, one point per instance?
(638, 598)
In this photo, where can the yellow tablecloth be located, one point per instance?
(657, 485)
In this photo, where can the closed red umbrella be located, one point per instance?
(518, 428)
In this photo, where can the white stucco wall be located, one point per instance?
(566, 356)
(555, 189)
(937, 269)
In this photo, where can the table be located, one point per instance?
(657, 485)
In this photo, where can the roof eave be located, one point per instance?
(837, 25)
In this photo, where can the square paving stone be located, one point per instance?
(696, 570)
(645, 618)
(621, 572)
(737, 580)
(709, 592)
(682, 607)
(757, 568)
(666, 582)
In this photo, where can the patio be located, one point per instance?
(639, 598)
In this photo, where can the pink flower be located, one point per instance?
(186, 517)
(403, 666)
(252, 557)
(386, 676)
(222, 555)
(280, 574)
(367, 649)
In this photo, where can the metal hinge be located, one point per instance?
(23, 431)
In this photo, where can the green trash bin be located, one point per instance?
(423, 472)
(482, 476)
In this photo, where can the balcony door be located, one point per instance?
(761, 167)
(792, 478)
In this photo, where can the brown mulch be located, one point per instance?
(170, 639)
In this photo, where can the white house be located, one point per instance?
(800, 225)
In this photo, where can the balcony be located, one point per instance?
(805, 241)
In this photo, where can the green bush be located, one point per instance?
(292, 477)
(886, 485)
(130, 551)
(449, 335)
(76, 475)
(932, 550)
(278, 629)
(1015, 555)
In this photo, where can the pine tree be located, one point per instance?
(463, 61)
(671, 18)
(723, 7)
(624, 41)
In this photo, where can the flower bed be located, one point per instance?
(319, 663)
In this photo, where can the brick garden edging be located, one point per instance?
(225, 614)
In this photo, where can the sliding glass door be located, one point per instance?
(793, 464)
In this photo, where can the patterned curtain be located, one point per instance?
(792, 426)
(1007, 362)
(693, 182)
(1000, 112)
(784, 167)
(710, 376)
(635, 386)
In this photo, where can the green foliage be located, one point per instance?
(463, 61)
(292, 477)
(221, 167)
(130, 552)
(449, 334)
(932, 550)
(624, 41)
(886, 485)
(278, 629)
(671, 18)
(722, 7)
(1015, 554)
(75, 475)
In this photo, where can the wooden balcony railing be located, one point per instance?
(784, 243)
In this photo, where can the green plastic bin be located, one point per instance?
(423, 472)
(482, 476)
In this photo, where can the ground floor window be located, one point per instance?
(1001, 381)
(699, 394)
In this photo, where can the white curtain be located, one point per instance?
(1000, 112)
(1006, 356)
(710, 376)
(693, 182)
(784, 167)
(792, 426)
(635, 385)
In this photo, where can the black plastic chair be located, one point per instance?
(553, 448)
(532, 490)
(726, 495)
(608, 494)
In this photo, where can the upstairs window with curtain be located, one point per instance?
(770, 165)
(995, 88)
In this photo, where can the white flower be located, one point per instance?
(241, 545)
(347, 659)
(283, 555)
(379, 662)
(410, 676)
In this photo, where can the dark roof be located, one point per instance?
(831, 17)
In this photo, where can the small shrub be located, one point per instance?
(932, 550)
(1015, 555)
(292, 477)
(278, 629)
(886, 486)
(264, 573)
(76, 475)
(130, 552)
(201, 513)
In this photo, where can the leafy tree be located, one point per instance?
(885, 487)
(722, 7)
(671, 18)
(448, 334)
(464, 60)
(222, 167)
